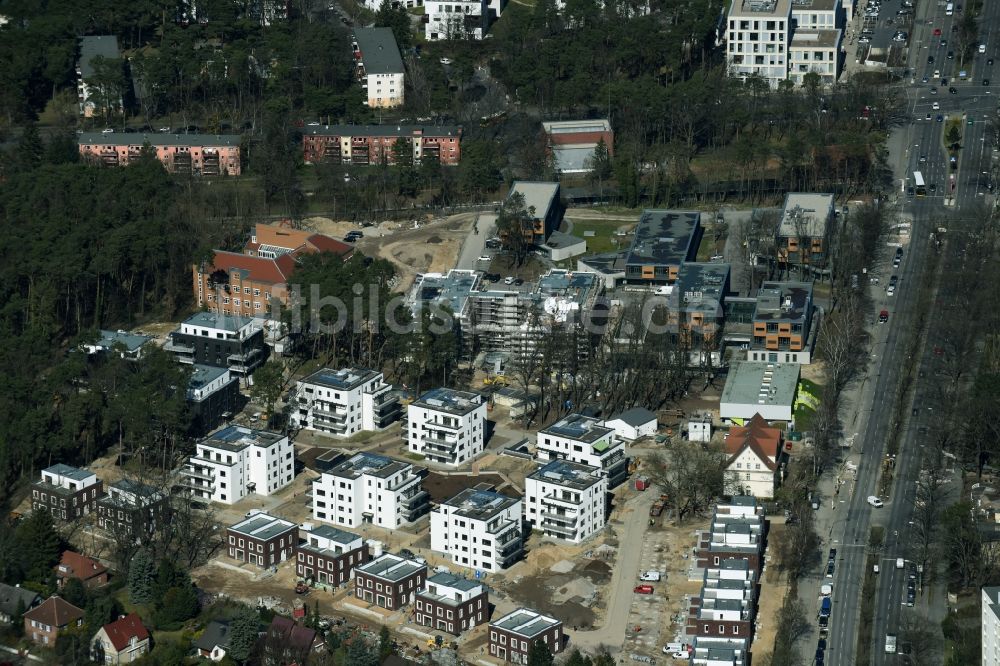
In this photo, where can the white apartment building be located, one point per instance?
(446, 426)
(370, 488)
(584, 440)
(816, 51)
(344, 402)
(479, 528)
(237, 461)
(460, 19)
(990, 612)
(566, 500)
(817, 15)
(379, 67)
(757, 39)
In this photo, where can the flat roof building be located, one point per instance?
(129, 345)
(512, 636)
(804, 233)
(479, 528)
(587, 441)
(782, 323)
(262, 539)
(566, 500)
(755, 387)
(662, 242)
(370, 488)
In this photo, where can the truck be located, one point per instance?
(890, 644)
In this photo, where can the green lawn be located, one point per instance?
(707, 248)
(603, 239)
(804, 414)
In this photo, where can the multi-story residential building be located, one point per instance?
(270, 241)
(66, 492)
(344, 402)
(756, 459)
(697, 305)
(452, 604)
(807, 221)
(131, 509)
(566, 500)
(238, 461)
(715, 615)
(328, 555)
(584, 440)
(370, 488)
(389, 581)
(198, 154)
(663, 241)
(732, 579)
(814, 51)
(222, 341)
(213, 395)
(127, 345)
(543, 204)
(512, 635)
(479, 528)
(990, 615)
(719, 651)
(120, 642)
(376, 144)
(782, 323)
(572, 143)
(44, 622)
(757, 39)
(378, 66)
(262, 540)
(91, 573)
(817, 14)
(738, 530)
(446, 426)
(460, 19)
(91, 99)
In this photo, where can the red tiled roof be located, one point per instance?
(123, 629)
(327, 244)
(293, 635)
(273, 271)
(759, 437)
(55, 612)
(79, 566)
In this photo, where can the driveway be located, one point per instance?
(474, 244)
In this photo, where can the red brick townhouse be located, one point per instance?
(241, 283)
(512, 636)
(329, 555)
(452, 604)
(262, 540)
(389, 581)
(373, 144)
(200, 154)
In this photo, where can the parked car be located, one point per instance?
(301, 588)
(651, 576)
(872, 499)
(671, 648)
(508, 280)
(643, 589)
(883, 316)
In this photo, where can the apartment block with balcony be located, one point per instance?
(66, 492)
(818, 14)
(512, 636)
(566, 500)
(446, 426)
(817, 52)
(221, 341)
(587, 441)
(757, 39)
(236, 462)
(389, 581)
(452, 604)
(379, 67)
(213, 395)
(329, 555)
(803, 237)
(460, 19)
(262, 540)
(371, 489)
(479, 528)
(375, 144)
(132, 508)
(197, 154)
(783, 323)
(344, 402)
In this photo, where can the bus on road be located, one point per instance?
(918, 184)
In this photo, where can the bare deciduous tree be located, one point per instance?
(692, 478)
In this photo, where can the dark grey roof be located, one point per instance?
(99, 45)
(452, 401)
(664, 238)
(783, 301)
(370, 464)
(384, 130)
(138, 140)
(345, 379)
(451, 580)
(569, 474)
(558, 239)
(701, 287)
(379, 52)
(9, 596)
(130, 341)
(263, 527)
(478, 504)
(609, 263)
(391, 567)
(215, 634)
(577, 427)
(635, 417)
(75, 473)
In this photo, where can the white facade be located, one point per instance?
(384, 90)
(464, 19)
(566, 500)
(757, 39)
(447, 426)
(633, 424)
(238, 461)
(990, 611)
(369, 488)
(68, 478)
(816, 51)
(206, 380)
(344, 402)
(584, 440)
(749, 474)
(479, 529)
(817, 15)
(719, 651)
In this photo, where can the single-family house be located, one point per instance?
(633, 423)
(74, 565)
(120, 642)
(214, 641)
(43, 623)
(756, 458)
(11, 596)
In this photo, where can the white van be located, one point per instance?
(949, 9)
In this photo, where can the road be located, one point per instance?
(915, 147)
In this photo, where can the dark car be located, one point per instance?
(894, 280)
(822, 644)
(951, 55)
(407, 553)
(989, 62)
(833, 554)
(986, 82)
(930, 60)
(909, 191)
(932, 187)
(830, 568)
(940, 118)
(952, 90)
(820, 657)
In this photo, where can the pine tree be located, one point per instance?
(29, 148)
(141, 577)
(540, 655)
(384, 643)
(243, 632)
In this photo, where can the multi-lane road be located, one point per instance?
(919, 146)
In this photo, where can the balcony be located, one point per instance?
(440, 425)
(196, 473)
(560, 530)
(559, 502)
(561, 518)
(194, 484)
(416, 499)
(244, 356)
(439, 446)
(178, 347)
